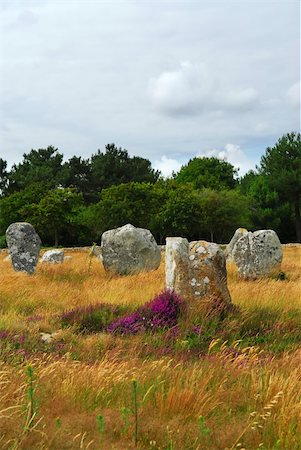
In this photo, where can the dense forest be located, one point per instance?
(74, 202)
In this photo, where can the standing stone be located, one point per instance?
(237, 235)
(23, 245)
(177, 265)
(208, 273)
(54, 256)
(258, 254)
(196, 270)
(129, 250)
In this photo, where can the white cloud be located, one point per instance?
(167, 166)
(293, 95)
(233, 154)
(182, 91)
(193, 88)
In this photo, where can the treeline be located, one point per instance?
(74, 202)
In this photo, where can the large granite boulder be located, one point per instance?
(129, 250)
(23, 245)
(54, 256)
(258, 254)
(237, 235)
(196, 269)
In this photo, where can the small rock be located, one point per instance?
(55, 256)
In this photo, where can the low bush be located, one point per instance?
(92, 318)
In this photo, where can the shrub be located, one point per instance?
(92, 318)
(162, 312)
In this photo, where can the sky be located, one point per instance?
(166, 80)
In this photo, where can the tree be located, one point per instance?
(54, 213)
(222, 213)
(133, 203)
(3, 176)
(282, 166)
(210, 173)
(76, 173)
(180, 213)
(115, 166)
(13, 206)
(37, 166)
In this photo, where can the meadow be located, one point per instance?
(211, 381)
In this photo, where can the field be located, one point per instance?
(219, 382)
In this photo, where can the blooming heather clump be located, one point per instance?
(162, 312)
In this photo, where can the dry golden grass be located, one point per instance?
(249, 400)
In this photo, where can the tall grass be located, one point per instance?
(235, 394)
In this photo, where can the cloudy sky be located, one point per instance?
(167, 80)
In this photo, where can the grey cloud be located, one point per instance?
(77, 77)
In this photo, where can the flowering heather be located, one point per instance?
(162, 312)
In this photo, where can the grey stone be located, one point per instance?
(54, 256)
(23, 245)
(237, 235)
(128, 250)
(258, 254)
(208, 269)
(177, 265)
(196, 269)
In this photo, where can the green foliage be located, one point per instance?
(210, 173)
(54, 213)
(13, 208)
(266, 209)
(203, 429)
(31, 408)
(222, 212)
(281, 165)
(180, 214)
(115, 166)
(3, 176)
(36, 167)
(100, 423)
(3, 241)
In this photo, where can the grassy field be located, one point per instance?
(218, 382)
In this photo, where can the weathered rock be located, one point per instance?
(237, 235)
(128, 250)
(7, 258)
(258, 254)
(196, 270)
(23, 245)
(54, 256)
(177, 266)
(208, 273)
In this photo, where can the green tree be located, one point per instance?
(76, 173)
(210, 173)
(13, 206)
(222, 213)
(115, 166)
(55, 213)
(133, 203)
(180, 213)
(38, 166)
(3, 176)
(282, 166)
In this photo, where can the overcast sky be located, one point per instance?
(167, 80)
